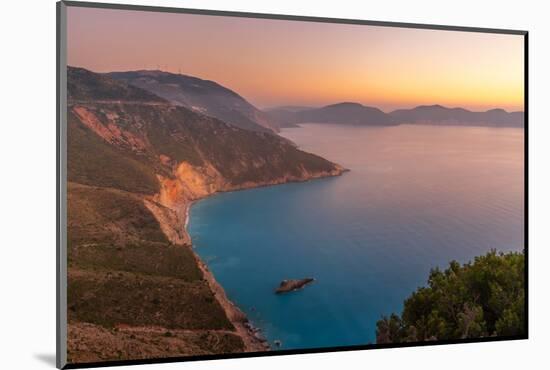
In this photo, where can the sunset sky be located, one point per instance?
(275, 62)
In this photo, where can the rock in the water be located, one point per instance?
(291, 285)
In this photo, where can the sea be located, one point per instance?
(416, 197)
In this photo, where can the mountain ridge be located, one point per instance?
(211, 98)
(441, 115)
(358, 114)
(344, 113)
(203, 96)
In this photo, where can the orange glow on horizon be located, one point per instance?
(275, 62)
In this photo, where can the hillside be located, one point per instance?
(437, 114)
(202, 96)
(136, 289)
(357, 114)
(348, 113)
(343, 113)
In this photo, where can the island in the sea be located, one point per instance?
(292, 285)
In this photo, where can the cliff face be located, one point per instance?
(135, 162)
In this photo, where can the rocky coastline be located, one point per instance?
(175, 225)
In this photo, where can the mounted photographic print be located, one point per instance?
(236, 184)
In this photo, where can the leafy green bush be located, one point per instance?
(479, 299)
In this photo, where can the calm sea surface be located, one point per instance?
(416, 197)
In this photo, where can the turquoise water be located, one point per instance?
(416, 197)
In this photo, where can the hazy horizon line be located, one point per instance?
(314, 106)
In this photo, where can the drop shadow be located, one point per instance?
(46, 358)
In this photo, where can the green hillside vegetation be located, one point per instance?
(104, 215)
(482, 298)
(123, 271)
(92, 161)
(239, 155)
(107, 298)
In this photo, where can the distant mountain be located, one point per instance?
(345, 113)
(212, 99)
(349, 113)
(357, 114)
(439, 115)
(202, 96)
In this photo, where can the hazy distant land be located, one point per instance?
(211, 98)
(357, 114)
